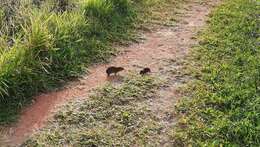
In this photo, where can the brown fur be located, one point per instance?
(114, 70)
(145, 71)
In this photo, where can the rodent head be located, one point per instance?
(120, 68)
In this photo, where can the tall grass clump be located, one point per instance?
(44, 42)
(223, 105)
(105, 16)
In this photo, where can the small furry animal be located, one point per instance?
(145, 71)
(114, 70)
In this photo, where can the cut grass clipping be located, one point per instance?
(223, 108)
(46, 42)
(114, 116)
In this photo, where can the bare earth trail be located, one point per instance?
(160, 51)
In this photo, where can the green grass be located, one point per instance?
(223, 104)
(43, 45)
(115, 115)
(160, 12)
(51, 46)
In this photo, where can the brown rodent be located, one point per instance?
(145, 71)
(114, 70)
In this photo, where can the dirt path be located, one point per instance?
(159, 51)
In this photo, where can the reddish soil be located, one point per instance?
(163, 44)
